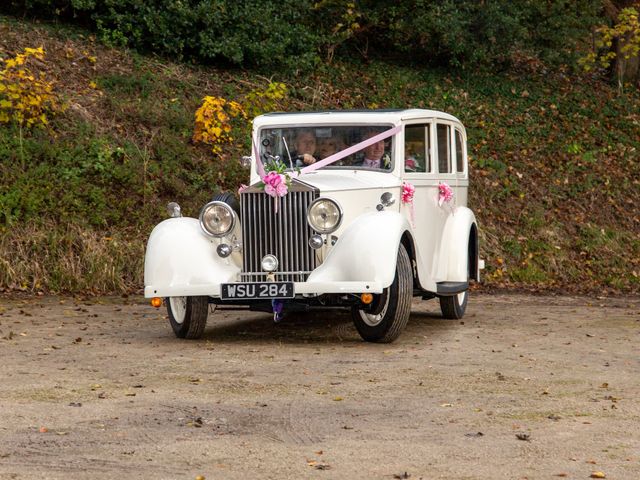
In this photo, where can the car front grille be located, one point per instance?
(284, 234)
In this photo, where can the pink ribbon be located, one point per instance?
(348, 151)
(332, 158)
(259, 165)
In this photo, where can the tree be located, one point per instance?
(617, 45)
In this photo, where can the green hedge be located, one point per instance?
(291, 35)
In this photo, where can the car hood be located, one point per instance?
(343, 180)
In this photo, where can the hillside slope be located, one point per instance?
(554, 162)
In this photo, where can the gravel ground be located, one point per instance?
(526, 387)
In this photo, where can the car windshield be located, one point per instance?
(299, 146)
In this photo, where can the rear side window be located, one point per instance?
(444, 148)
(416, 148)
(459, 152)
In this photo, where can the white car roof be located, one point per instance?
(335, 117)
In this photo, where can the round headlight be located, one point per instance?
(217, 219)
(324, 215)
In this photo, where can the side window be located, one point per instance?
(444, 148)
(416, 148)
(459, 152)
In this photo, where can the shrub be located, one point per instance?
(26, 97)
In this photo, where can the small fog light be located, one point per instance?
(245, 162)
(269, 263)
(366, 298)
(315, 241)
(223, 250)
(173, 209)
(156, 302)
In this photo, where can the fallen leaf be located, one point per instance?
(523, 436)
(200, 477)
(337, 399)
(447, 405)
(44, 429)
(598, 475)
(561, 474)
(474, 435)
(322, 466)
(402, 475)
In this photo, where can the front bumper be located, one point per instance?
(307, 289)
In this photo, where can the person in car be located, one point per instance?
(328, 146)
(374, 156)
(304, 147)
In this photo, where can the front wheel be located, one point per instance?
(188, 315)
(384, 320)
(453, 307)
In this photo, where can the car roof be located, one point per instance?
(350, 117)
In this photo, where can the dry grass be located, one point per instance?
(70, 258)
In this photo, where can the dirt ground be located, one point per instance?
(524, 388)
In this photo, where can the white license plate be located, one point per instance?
(256, 290)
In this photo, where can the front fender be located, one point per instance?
(366, 251)
(453, 256)
(181, 260)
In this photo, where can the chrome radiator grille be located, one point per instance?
(284, 234)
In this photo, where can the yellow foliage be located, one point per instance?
(626, 31)
(213, 121)
(25, 98)
(216, 117)
(258, 102)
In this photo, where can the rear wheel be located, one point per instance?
(453, 307)
(188, 315)
(384, 320)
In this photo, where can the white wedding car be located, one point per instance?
(374, 215)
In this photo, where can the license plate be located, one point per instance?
(256, 290)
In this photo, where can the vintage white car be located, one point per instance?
(363, 210)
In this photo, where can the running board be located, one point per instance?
(451, 288)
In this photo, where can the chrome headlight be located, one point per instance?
(217, 219)
(324, 215)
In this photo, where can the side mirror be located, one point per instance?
(387, 199)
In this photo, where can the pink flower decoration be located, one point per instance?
(407, 192)
(242, 188)
(273, 179)
(281, 189)
(275, 184)
(445, 193)
(410, 163)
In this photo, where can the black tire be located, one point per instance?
(230, 199)
(387, 316)
(188, 315)
(454, 306)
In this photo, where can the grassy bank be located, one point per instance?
(554, 163)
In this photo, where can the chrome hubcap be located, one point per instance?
(178, 308)
(374, 319)
(461, 296)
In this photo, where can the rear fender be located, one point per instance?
(366, 251)
(453, 257)
(181, 260)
